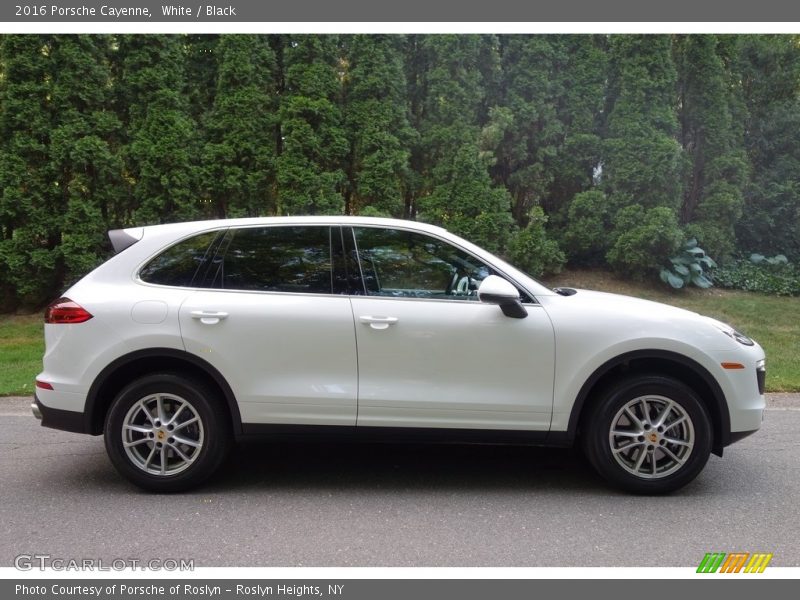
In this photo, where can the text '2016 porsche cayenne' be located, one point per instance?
(195, 335)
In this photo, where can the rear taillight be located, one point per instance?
(65, 310)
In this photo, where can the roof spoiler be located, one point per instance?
(125, 238)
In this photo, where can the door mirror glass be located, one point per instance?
(496, 290)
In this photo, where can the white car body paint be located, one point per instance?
(309, 358)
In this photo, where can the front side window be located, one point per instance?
(179, 265)
(276, 259)
(405, 264)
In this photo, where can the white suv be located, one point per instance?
(198, 334)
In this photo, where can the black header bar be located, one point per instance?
(440, 11)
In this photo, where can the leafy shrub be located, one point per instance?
(586, 233)
(532, 251)
(716, 239)
(467, 203)
(690, 266)
(721, 207)
(778, 259)
(645, 239)
(774, 276)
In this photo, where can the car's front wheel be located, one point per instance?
(167, 433)
(648, 434)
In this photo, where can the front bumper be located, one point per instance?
(743, 389)
(65, 420)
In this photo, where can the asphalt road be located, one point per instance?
(291, 504)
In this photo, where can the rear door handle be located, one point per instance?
(378, 322)
(208, 317)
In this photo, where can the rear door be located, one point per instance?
(271, 323)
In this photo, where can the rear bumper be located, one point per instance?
(65, 420)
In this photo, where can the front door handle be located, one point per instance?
(378, 322)
(208, 317)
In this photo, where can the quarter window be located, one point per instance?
(179, 265)
(277, 259)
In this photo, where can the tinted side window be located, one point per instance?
(408, 264)
(278, 259)
(179, 264)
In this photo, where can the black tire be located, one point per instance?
(212, 432)
(597, 440)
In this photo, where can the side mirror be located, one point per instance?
(496, 290)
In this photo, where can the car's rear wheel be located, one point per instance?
(648, 434)
(167, 433)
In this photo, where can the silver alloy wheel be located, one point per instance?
(162, 434)
(651, 437)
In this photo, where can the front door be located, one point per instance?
(430, 354)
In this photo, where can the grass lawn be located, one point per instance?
(774, 322)
(21, 349)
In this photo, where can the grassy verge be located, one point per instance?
(21, 349)
(773, 321)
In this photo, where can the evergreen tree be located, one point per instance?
(451, 86)
(456, 190)
(619, 146)
(713, 143)
(416, 66)
(30, 211)
(546, 131)
(581, 67)
(644, 238)
(239, 158)
(531, 249)
(586, 233)
(769, 67)
(643, 160)
(310, 176)
(201, 73)
(376, 125)
(161, 146)
(464, 200)
(528, 121)
(84, 149)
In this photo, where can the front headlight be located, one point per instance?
(732, 333)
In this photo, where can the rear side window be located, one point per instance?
(277, 259)
(179, 265)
